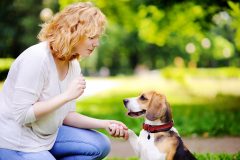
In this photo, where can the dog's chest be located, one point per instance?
(148, 150)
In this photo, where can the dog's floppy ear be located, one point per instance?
(159, 108)
(168, 114)
(153, 110)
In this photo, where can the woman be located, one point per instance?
(38, 120)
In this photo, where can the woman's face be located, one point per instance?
(85, 47)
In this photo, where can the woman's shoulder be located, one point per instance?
(35, 54)
(39, 50)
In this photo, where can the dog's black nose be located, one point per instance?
(125, 101)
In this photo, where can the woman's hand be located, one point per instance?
(117, 129)
(75, 88)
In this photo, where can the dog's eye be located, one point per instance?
(143, 98)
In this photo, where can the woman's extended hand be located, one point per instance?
(76, 88)
(117, 129)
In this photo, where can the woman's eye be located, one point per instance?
(94, 37)
(143, 98)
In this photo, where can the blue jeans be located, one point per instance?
(71, 144)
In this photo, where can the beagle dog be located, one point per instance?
(158, 139)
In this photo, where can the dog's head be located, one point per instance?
(151, 104)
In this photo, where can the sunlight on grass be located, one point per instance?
(209, 87)
(187, 91)
(201, 106)
(1, 84)
(206, 156)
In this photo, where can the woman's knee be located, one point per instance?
(81, 142)
(104, 146)
(9, 154)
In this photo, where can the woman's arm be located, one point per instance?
(74, 90)
(45, 107)
(115, 128)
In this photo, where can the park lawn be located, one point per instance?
(1, 84)
(207, 108)
(202, 106)
(207, 156)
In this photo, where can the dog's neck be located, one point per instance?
(157, 122)
(157, 126)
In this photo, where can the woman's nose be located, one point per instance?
(96, 43)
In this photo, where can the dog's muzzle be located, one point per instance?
(136, 114)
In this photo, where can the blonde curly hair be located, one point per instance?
(66, 28)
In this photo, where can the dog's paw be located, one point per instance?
(130, 132)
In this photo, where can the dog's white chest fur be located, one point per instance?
(148, 150)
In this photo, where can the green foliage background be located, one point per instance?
(148, 33)
(155, 33)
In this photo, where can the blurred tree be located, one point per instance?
(149, 33)
(235, 14)
(8, 27)
(20, 24)
(155, 33)
(52, 4)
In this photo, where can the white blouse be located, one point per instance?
(33, 77)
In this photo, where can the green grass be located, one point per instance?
(219, 156)
(220, 73)
(5, 63)
(207, 156)
(204, 102)
(1, 84)
(201, 106)
(205, 117)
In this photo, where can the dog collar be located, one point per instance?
(158, 128)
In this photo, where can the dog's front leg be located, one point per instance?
(133, 140)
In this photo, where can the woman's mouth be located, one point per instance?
(90, 51)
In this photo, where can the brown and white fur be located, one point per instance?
(163, 145)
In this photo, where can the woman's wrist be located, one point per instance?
(104, 124)
(65, 96)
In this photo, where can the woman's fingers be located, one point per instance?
(118, 129)
(76, 87)
(117, 133)
(126, 135)
(120, 123)
(121, 133)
